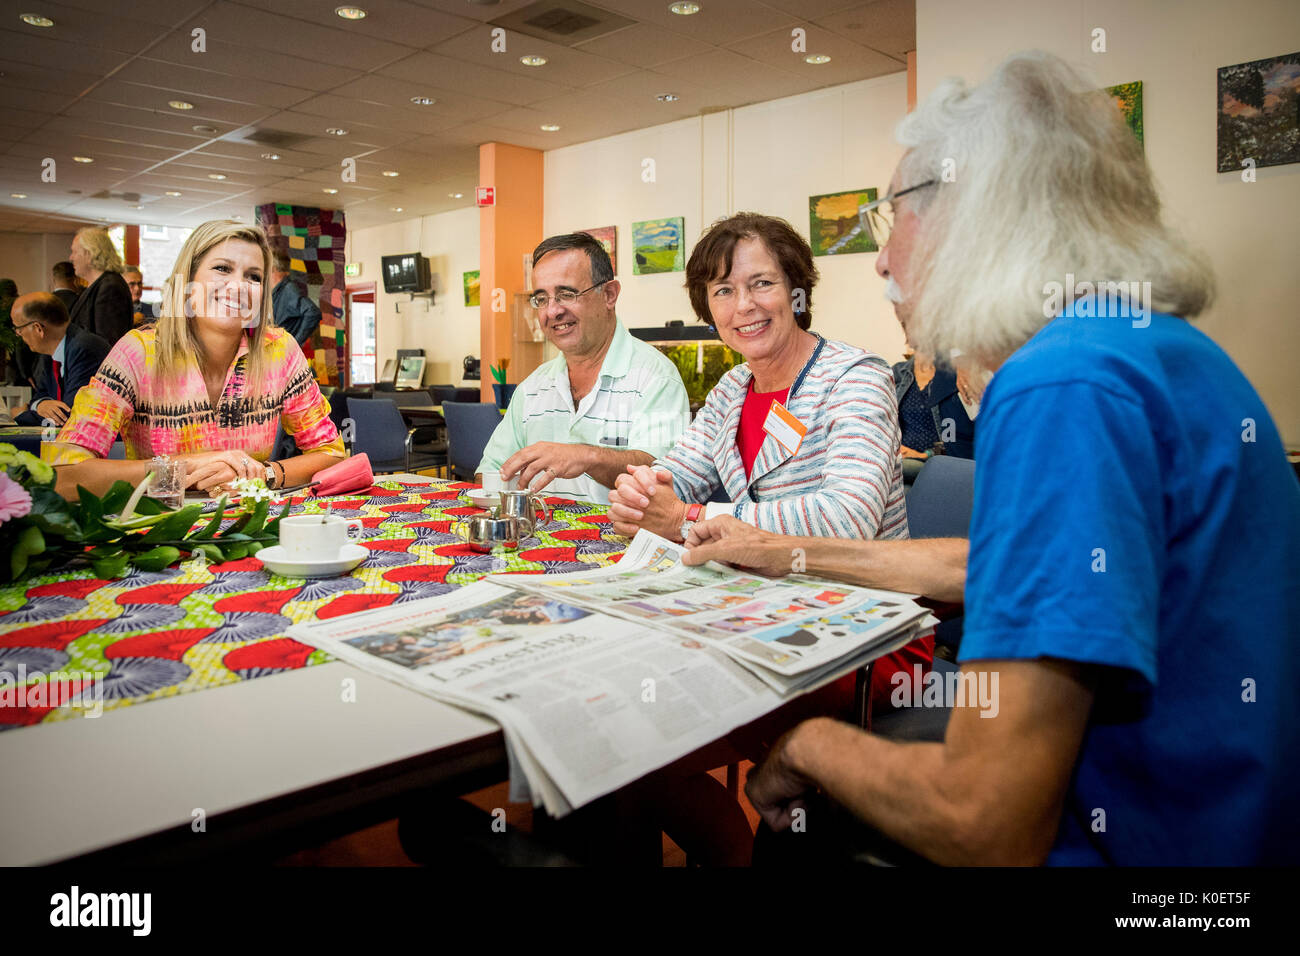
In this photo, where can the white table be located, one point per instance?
(274, 755)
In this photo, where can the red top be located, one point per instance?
(753, 413)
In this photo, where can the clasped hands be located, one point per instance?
(212, 471)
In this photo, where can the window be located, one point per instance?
(153, 232)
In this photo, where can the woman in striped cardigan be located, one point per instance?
(751, 277)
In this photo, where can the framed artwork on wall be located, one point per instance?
(1259, 113)
(1128, 97)
(470, 281)
(607, 236)
(657, 246)
(833, 225)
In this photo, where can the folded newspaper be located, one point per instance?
(599, 678)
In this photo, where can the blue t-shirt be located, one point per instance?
(1134, 509)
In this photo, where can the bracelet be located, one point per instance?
(283, 478)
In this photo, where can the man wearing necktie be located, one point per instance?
(69, 356)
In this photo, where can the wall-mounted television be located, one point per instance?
(407, 272)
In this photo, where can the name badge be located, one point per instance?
(787, 430)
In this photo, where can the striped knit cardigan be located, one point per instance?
(846, 480)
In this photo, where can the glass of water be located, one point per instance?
(168, 481)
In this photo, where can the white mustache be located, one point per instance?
(892, 291)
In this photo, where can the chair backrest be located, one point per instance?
(940, 502)
(380, 432)
(443, 393)
(414, 398)
(469, 426)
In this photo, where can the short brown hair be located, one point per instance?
(712, 255)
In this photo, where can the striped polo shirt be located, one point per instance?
(639, 402)
(846, 479)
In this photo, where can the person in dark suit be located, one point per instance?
(105, 307)
(294, 312)
(68, 356)
(65, 283)
(140, 311)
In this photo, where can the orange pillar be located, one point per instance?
(508, 231)
(131, 245)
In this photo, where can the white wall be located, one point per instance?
(447, 331)
(27, 258)
(765, 158)
(1175, 47)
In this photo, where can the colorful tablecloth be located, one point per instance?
(156, 634)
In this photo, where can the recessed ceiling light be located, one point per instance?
(235, 215)
(36, 20)
(533, 60)
(180, 105)
(350, 13)
(137, 207)
(816, 59)
(82, 159)
(172, 192)
(204, 129)
(17, 195)
(271, 156)
(550, 127)
(455, 195)
(329, 189)
(423, 100)
(336, 131)
(667, 97)
(395, 208)
(684, 9)
(390, 173)
(216, 175)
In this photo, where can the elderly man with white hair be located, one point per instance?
(1133, 576)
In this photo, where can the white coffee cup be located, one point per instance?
(318, 537)
(493, 482)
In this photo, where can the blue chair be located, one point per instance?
(381, 434)
(469, 426)
(939, 506)
(941, 499)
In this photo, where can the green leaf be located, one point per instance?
(157, 559)
(175, 525)
(113, 566)
(259, 517)
(211, 528)
(30, 542)
(235, 550)
(52, 513)
(92, 508)
(273, 526)
(117, 496)
(209, 551)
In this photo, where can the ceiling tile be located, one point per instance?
(398, 93)
(566, 66)
(718, 22)
(849, 61)
(237, 60)
(191, 83)
(645, 45)
(885, 25)
(393, 20)
(430, 70)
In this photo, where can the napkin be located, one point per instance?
(351, 474)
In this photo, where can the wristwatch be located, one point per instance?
(270, 476)
(693, 513)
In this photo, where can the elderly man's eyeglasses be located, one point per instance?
(877, 217)
(19, 328)
(540, 300)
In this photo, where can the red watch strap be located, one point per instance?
(693, 512)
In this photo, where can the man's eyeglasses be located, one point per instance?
(540, 300)
(19, 328)
(877, 218)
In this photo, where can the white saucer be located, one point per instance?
(275, 559)
(484, 500)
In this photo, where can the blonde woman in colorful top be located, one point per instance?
(208, 384)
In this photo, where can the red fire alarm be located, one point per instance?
(487, 195)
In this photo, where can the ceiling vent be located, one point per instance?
(124, 197)
(566, 22)
(281, 138)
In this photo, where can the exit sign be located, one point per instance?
(352, 269)
(487, 195)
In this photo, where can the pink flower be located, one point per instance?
(15, 502)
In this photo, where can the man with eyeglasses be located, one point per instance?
(68, 356)
(608, 401)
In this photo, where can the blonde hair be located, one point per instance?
(99, 247)
(1049, 181)
(177, 345)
